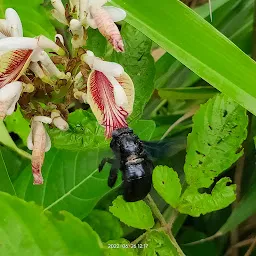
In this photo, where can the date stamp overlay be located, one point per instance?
(124, 246)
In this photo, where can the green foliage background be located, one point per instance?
(74, 212)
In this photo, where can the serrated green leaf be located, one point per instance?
(194, 203)
(139, 64)
(26, 230)
(72, 181)
(134, 214)
(105, 224)
(220, 127)
(119, 247)
(167, 184)
(33, 16)
(18, 124)
(158, 243)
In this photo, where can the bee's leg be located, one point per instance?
(113, 173)
(104, 161)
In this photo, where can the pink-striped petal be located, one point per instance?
(126, 82)
(108, 28)
(13, 64)
(100, 96)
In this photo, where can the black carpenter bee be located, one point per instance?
(134, 163)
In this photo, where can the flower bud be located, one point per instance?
(38, 141)
(58, 121)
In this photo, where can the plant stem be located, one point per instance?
(173, 218)
(155, 210)
(163, 223)
(174, 242)
(251, 248)
(141, 237)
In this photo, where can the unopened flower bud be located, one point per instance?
(59, 11)
(58, 121)
(78, 33)
(81, 96)
(38, 141)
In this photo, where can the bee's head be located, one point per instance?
(116, 133)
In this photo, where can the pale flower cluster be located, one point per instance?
(18, 53)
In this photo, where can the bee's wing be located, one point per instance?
(165, 148)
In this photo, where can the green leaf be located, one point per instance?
(211, 55)
(72, 181)
(5, 163)
(139, 64)
(96, 42)
(18, 124)
(194, 203)
(144, 129)
(119, 247)
(84, 133)
(220, 127)
(6, 140)
(227, 19)
(134, 214)
(167, 184)
(194, 93)
(105, 224)
(26, 229)
(33, 16)
(158, 243)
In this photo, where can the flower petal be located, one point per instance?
(106, 67)
(100, 96)
(126, 82)
(9, 95)
(14, 22)
(18, 43)
(13, 64)
(108, 28)
(4, 29)
(115, 13)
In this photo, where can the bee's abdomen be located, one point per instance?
(137, 178)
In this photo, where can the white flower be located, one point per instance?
(92, 13)
(17, 52)
(110, 93)
(111, 70)
(40, 142)
(9, 95)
